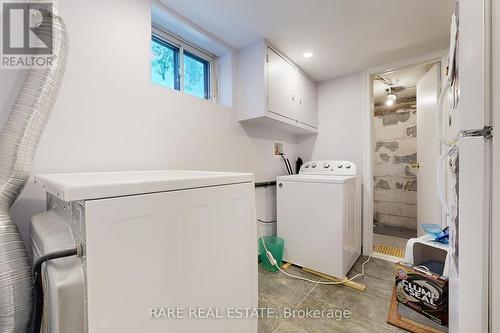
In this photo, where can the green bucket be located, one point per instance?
(275, 246)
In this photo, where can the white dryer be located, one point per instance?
(154, 241)
(319, 216)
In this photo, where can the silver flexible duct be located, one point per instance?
(18, 141)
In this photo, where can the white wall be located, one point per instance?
(394, 189)
(108, 115)
(340, 117)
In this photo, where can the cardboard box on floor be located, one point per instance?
(423, 291)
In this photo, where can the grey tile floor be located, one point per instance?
(368, 310)
(396, 231)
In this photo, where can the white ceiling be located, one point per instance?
(345, 35)
(404, 79)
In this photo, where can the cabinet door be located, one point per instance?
(281, 85)
(158, 246)
(306, 101)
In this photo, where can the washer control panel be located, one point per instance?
(330, 167)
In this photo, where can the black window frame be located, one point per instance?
(206, 71)
(181, 47)
(177, 51)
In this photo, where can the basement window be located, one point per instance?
(165, 63)
(178, 65)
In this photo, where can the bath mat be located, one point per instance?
(394, 318)
(390, 250)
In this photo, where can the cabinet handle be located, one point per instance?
(300, 101)
(293, 98)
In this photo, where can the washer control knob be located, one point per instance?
(348, 166)
(340, 166)
(306, 166)
(326, 165)
(313, 165)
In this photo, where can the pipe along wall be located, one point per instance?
(18, 142)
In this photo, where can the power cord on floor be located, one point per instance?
(273, 262)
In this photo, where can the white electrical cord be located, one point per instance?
(443, 144)
(440, 182)
(442, 96)
(275, 263)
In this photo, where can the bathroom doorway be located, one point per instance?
(404, 104)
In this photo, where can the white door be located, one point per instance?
(428, 207)
(282, 86)
(306, 102)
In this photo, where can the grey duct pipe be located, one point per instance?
(18, 141)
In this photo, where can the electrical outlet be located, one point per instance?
(279, 148)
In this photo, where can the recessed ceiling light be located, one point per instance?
(308, 54)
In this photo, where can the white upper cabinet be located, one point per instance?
(281, 86)
(273, 91)
(307, 112)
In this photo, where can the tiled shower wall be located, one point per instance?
(395, 181)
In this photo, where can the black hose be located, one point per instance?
(37, 273)
(298, 164)
(266, 222)
(288, 168)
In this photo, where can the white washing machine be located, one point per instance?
(319, 216)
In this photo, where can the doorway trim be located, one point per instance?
(367, 93)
